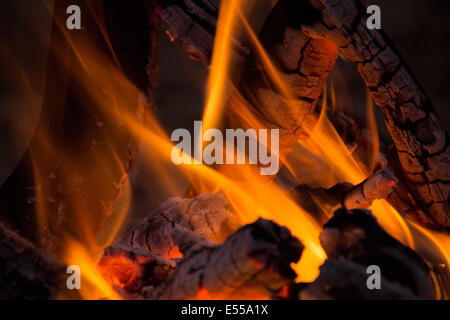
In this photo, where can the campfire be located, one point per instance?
(347, 214)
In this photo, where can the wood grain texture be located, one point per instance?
(179, 222)
(254, 262)
(420, 139)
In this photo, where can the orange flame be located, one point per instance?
(252, 196)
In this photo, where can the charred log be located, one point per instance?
(25, 271)
(254, 262)
(345, 195)
(356, 236)
(178, 223)
(255, 258)
(304, 64)
(419, 136)
(193, 24)
(342, 279)
(299, 39)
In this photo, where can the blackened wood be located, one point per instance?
(193, 23)
(342, 279)
(377, 186)
(303, 63)
(254, 262)
(176, 225)
(356, 235)
(294, 37)
(420, 138)
(25, 271)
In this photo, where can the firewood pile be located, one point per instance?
(197, 247)
(254, 260)
(213, 258)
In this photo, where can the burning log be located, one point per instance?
(345, 195)
(299, 39)
(25, 271)
(354, 241)
(377, 186)
(134, 269)
(178, 223)
(254, 262)
(303, 63)
(194, 23)
(189, 248)
(356, 236)
(421, 141)
(255, 258)
(346, 280)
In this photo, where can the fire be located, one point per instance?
(93, 285)
(221, 62)
(252, 196)
(324, 144)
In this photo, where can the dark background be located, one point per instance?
(420, 29)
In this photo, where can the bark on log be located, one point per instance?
(193, 24)
(304, 64)
(255, 258)
(252, 263)
(420, 138)
(178, 223)
(25, 271)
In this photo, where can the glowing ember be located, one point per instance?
(252, 196)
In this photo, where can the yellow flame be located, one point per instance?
(440, 240)
(325, 142)
(93, 285)
(252, 196)
(221, 59)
